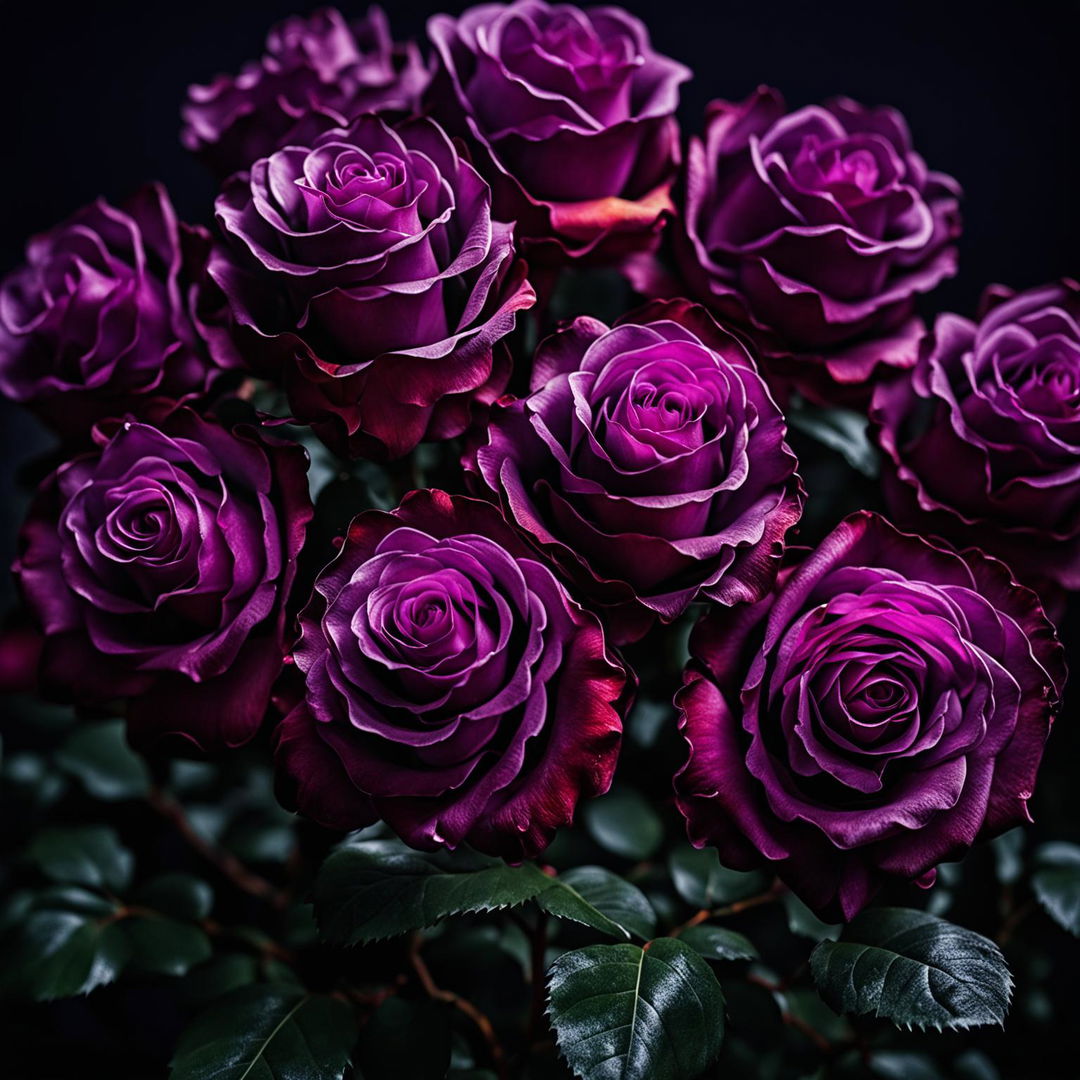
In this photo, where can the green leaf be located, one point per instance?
(902, 1065)
(99, 756)
(74, 898)
(719, 943)
(806, 1005)
(58, 953)
(89, 855)
(621, 1012)
(624, 823)
(647, 720)
(14, 908)
(702, 881)
(802, 921)
(842, 430)
(600, 899)
(942, 895)
(1008, 855)
(218, 976)
(974, 1065)
(267, 1032)
(165, 946)
(299, 928)
(914, 969)
(389, 1047)
(261, 841)
(602, 293)
(181, 896)
(1056, 882)
(372, 889)
(29, 777)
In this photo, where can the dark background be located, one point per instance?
(92, 94)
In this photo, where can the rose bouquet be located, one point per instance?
(565, 598)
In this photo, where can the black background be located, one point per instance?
(92, 93)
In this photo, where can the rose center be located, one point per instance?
(566, 39)
(844, 170)
(662, 409)
(425, 616)
(1053, 386)
(354, 175)
(1045, 378)
(141, 526)
(857, 168)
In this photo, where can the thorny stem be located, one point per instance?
(537, 951)
(265, 947)
(694, 920)
(774, 892)
(789, 1018)
(228, 864)
(372, 999)
(483, 1024)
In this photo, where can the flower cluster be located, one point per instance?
(391, 227)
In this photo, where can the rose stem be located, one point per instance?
(537, 950)
(483, 1024)
(227, 863)
(791, 1019)
(264, 947)
(774, 892)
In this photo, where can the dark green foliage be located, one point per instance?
(621, 1012)
(372, 889)
(701, 880)
(599, 899)
(719, 943)
(406, 1040)
(914, 969)
(99, 757)
(624, 823)
(274, 1032)
(1056, 882)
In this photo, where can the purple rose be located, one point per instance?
(317, 63)
(574, 114)
(814, 231)
(878, 714)
(999, 401)
(649, 463)
(453, 687)
(370, 269)
(158, 567)
(109, 311)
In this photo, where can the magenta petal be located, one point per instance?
(649, 464)
(884, 709)
(450, 678)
